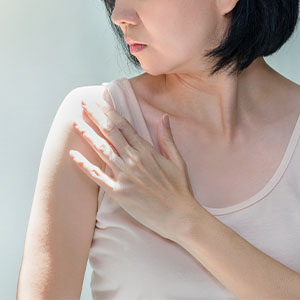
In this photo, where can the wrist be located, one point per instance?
(191, 221)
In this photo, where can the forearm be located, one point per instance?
(242, 268)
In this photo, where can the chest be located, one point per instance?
(224, 177)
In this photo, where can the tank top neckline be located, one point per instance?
(268, 187)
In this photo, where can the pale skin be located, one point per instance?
(216, 121)
(155, 189)
(224, 117)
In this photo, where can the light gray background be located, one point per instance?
(47, 49)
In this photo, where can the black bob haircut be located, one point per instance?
(258, 28)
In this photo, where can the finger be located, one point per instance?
(100, 145)
(92, 171)
(108, 128)
(128, 131)
(86, 118)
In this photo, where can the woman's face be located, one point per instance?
(176, 32)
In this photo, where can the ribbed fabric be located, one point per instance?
(132, 262)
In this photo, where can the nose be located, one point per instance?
(122, 16)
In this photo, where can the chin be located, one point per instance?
(152, 71)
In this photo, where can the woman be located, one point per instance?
(178, 228)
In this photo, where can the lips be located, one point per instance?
(137, 47)
(133, 42)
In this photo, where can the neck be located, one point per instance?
(217, 104)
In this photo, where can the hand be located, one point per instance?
(153, 188)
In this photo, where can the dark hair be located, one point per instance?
(258, 28)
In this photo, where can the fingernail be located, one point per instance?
(73, 154)
(166, 121)
(79, 125)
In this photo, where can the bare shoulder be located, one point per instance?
(90, 94)
(287, 90)
(293, 90)
(72, 109)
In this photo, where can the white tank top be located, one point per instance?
(132, 262)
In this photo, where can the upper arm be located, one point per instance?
(63, 213)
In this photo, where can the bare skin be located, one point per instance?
(251, 158)
(232, 131)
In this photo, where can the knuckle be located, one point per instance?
(122, 124)
(101, 144)
(130, 162)
(118, 187)
(111, 155)
(101, 147)
(134, 159)
(128, 150)
(122, 183)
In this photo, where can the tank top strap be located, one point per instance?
(126, 104)
(293, 150)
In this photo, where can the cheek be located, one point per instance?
(179, 32)
(185, 40)
(189, 25)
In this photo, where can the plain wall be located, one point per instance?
(47, 49)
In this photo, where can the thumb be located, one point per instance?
(166, 141)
